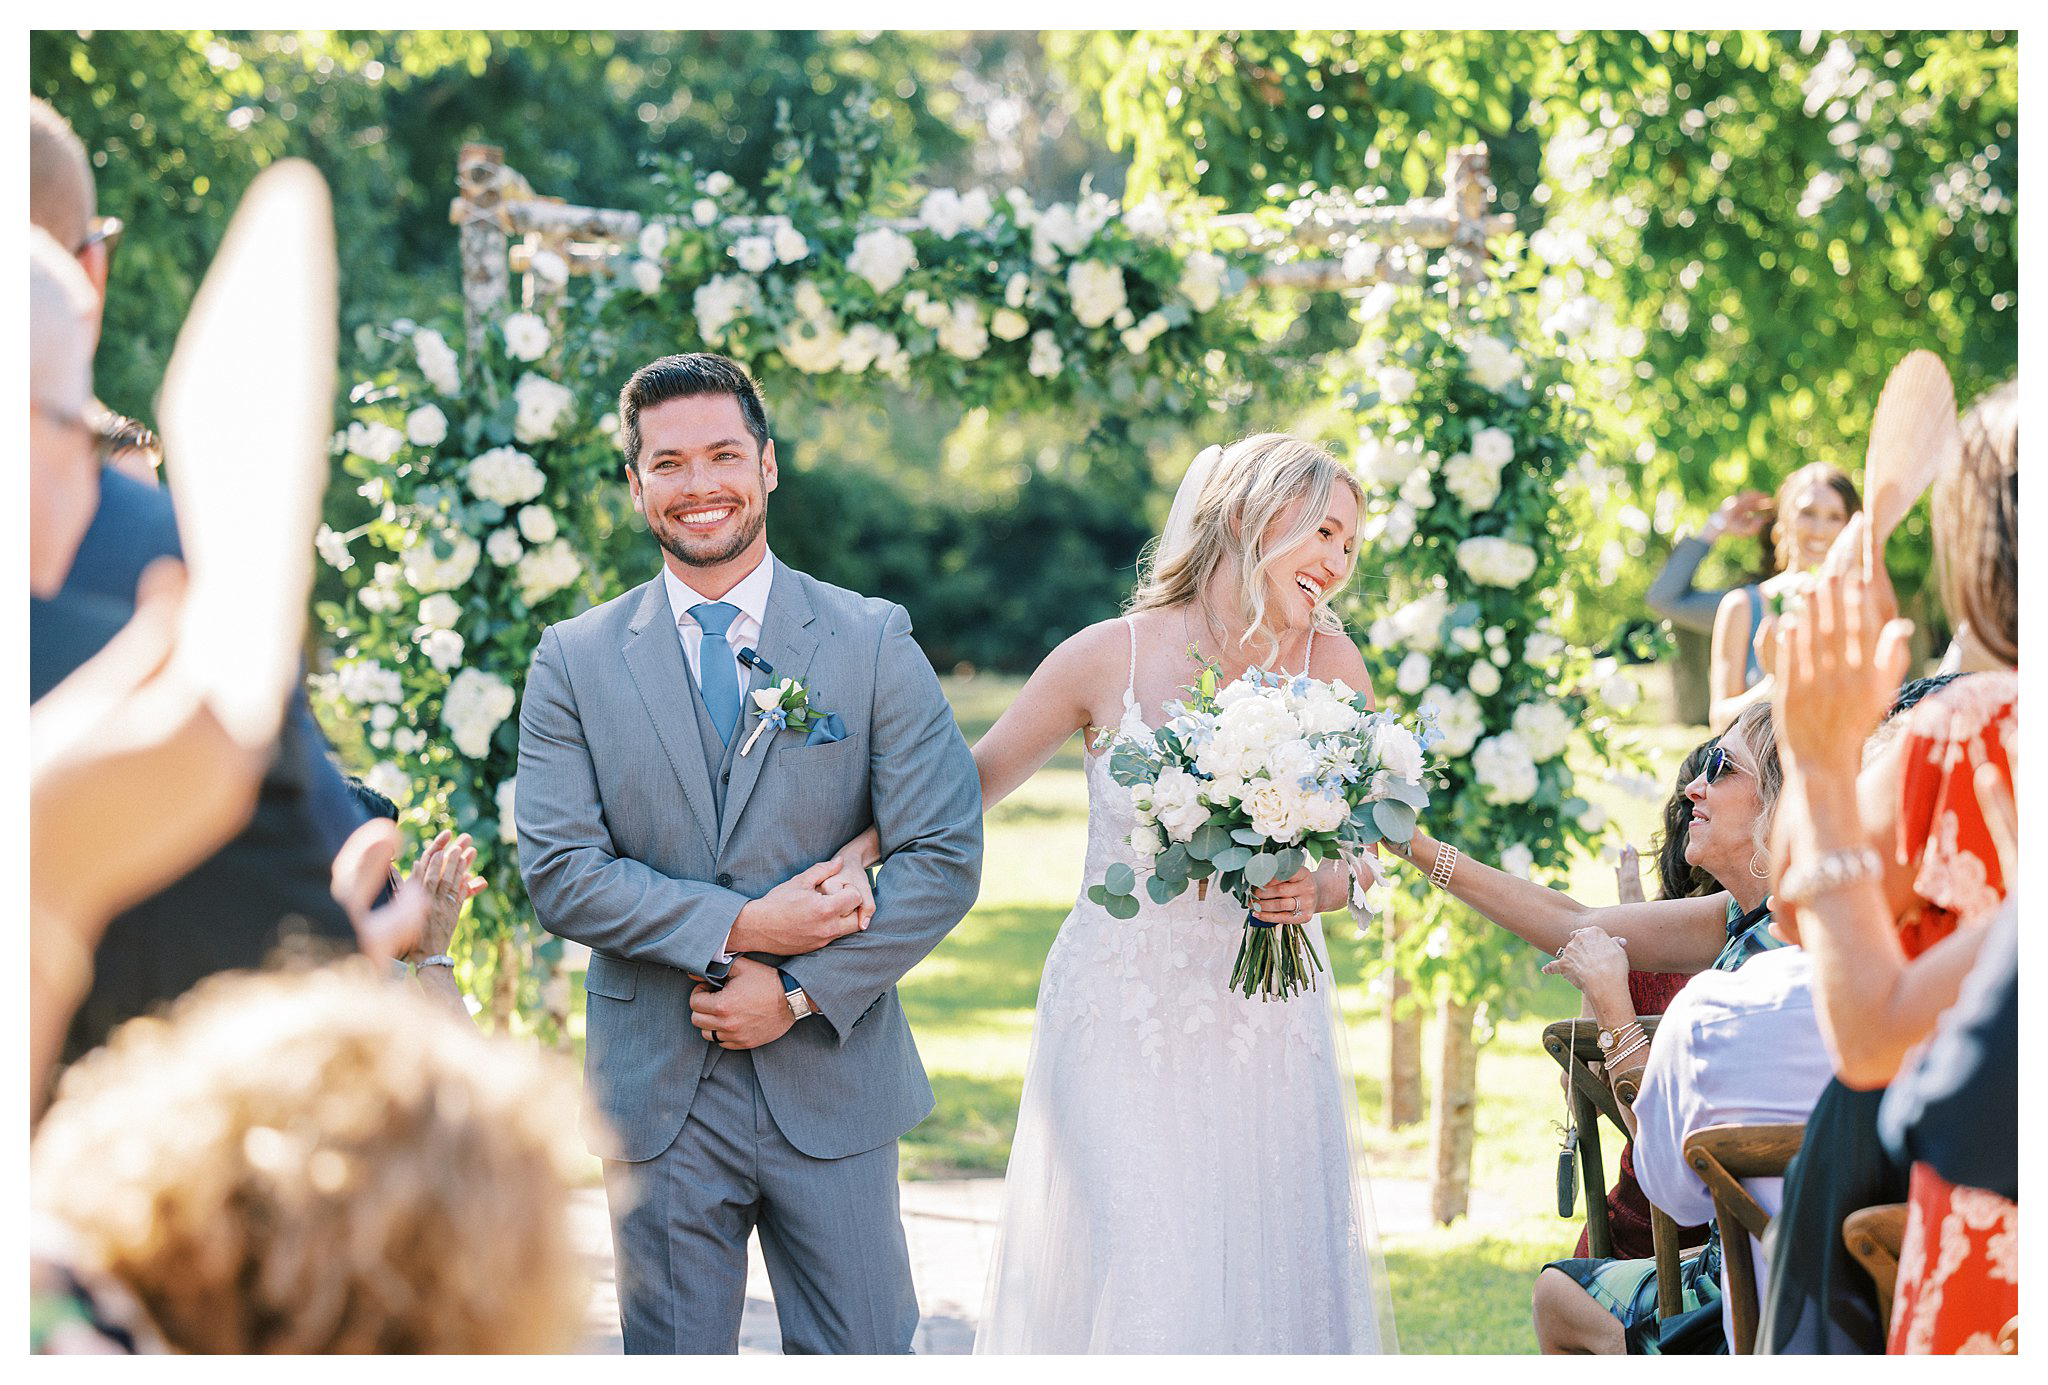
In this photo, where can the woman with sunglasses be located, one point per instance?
(1733, 800)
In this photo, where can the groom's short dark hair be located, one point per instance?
(682, 377)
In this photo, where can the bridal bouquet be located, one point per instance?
(1244, 785)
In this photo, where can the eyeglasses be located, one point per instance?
(1718, 764)
(104, 230)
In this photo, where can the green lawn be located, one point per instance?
(1455, 1288)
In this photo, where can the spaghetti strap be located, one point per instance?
(1131, 674)
(1308, 652)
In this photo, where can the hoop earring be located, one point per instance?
(1763, 874)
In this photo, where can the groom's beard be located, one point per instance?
(676, 541)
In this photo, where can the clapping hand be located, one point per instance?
(442, 872)
(1742, 514)
(1628, 876)
(361, 869)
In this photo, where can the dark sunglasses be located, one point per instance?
(102, 230)
(1718, 764)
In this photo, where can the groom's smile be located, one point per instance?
(702, 485)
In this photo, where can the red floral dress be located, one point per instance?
(1959, 1265)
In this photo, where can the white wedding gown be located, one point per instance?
(1186, 1174)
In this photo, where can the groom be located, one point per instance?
(750, 1064)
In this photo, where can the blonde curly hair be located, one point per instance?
(322, 1162)
(1253, 483)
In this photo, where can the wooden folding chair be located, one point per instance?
(1873, 1235)
(1721, 1155)
(1575, 1045)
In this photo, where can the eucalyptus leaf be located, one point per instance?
(1162, 890)
(1119, 879)
(1122, 906)
(1208, 840)
(1232, 858)
(1395, 819)
(1259, 871)
(1097, 895)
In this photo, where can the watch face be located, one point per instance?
(1606, 1040)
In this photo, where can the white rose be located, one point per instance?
(437, 361)
(789, 243)
(1621, 693)
(1047, 358)
(646, 276)
(1056, 231)
(547, 570)
(1496, 636)
(443, 649)
(374, 442)
(1276, 811)
(717, 184)
(440, 611)
(703, 211)
(333, 549)
(1460, 719)
(367, 683)
(1484, 679)
(505, 476)
(388, 779)
(1148, 841)
(1496, 562)
(1397, 384)
(1009, 325)
(426, 426)
(814, 345)
(1400, 526)
(428, 573)
(1413, 675)
(1419, 624)
(1466, 638)
(1473, 481)
(882, 257)
(1398, 752)
(1490, 362)
(963, 333)
(1541, 648)
(1418, 492)
(526, 337)
(722, 300)
(1016, 290)
(1545, 729)
(868, 345)
(504, 547)
(550, 268)
(383, 716)
(1503, 768)
(1148, 220)
(408, 740)
(537, 523)
(1493, 446)
(508, 826)
(653, 240)
(1500, 658)
(1177, 803)
(540, 406)
(476, 705)
(1201, 280)
(976, 207)
(942, 213)
(1097, 291)
(753, 253)
(1517, 859)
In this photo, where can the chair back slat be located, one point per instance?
(1722, 1154)
(1873, 1236)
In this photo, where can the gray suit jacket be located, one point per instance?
(622, 848)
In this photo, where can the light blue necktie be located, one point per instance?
(717, 679)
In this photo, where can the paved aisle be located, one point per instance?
(951, 1227)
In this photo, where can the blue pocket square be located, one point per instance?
(826, 730)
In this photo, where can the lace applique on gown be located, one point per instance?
(1186, 1174)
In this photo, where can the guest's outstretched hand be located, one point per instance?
(361, 869)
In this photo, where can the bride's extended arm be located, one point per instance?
(1054, 704)
(1681, 935)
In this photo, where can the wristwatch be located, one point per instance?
(799, 1003)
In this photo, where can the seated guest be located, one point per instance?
(318, 1163)
(1735, 1048)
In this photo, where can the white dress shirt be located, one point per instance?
(749, 594)
(1735, 1047)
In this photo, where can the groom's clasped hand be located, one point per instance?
(808, 911)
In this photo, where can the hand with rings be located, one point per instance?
(1292, 900)
(443, 871)
(1597, 963)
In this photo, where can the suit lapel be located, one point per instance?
(654, 658)
(788, 645)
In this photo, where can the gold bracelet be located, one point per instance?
(1441, 868)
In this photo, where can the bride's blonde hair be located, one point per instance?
(1250, 486)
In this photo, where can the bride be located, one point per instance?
(1186, 1174)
